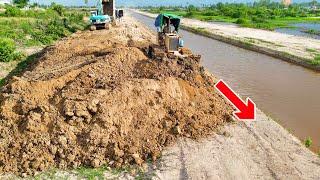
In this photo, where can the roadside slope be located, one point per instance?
(295, 49)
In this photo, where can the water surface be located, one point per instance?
(300, 28)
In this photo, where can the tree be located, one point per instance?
(86, 2)
(20, 3)
(314, 2)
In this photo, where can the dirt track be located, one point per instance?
(96, 98)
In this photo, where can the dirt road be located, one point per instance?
(96, 98)
(257, 150)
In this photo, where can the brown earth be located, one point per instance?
(95, 98)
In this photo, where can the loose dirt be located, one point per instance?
(95, 98)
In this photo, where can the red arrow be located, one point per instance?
(246, 111)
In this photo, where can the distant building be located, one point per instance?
(286, 2)
(5, 2)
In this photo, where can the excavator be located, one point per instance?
(168, 37)
(104, 15)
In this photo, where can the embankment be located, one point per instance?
(298, 50)
(96, 99)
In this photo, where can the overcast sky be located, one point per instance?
(147, 2)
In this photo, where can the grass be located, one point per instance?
(2, 82)
(308, 142)
(91, 173)
(311, 50)
(316, 60)
(39, 27)
(98, 173)
(46, 175)
(19, 68)
(312, 31)
(21, 29)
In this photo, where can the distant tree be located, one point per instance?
(34, 5)
(86, 2)
(192, 8)
(314, 3)
(20, 3)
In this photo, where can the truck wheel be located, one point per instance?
(93, 28)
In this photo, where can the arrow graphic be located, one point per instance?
(246, 111)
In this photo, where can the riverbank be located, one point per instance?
(298, 50)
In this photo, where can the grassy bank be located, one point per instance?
(261, 15)
(34, 28)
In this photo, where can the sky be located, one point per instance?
(147, 2)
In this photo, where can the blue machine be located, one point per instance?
(99, 19)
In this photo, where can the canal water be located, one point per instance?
(300, 29)
(290, 94)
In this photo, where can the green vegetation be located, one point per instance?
(308, 142)
(20, 29)
(8, 50)
(263, 14)
(45, 175)
(91, 173)
(39, 27)
(311, 50)
(316, 60)
(22, 65)
(20, 3)
(312, 31)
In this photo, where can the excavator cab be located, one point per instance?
(167, 23)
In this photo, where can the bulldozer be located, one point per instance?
(169, 40)
(103, 16)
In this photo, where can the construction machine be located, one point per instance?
(168, 38)
(104, 15)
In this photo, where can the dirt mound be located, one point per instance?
(96, 98)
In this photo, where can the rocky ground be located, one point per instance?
(96, 99)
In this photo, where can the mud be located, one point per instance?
(96, 99)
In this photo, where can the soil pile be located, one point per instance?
(96, 98)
